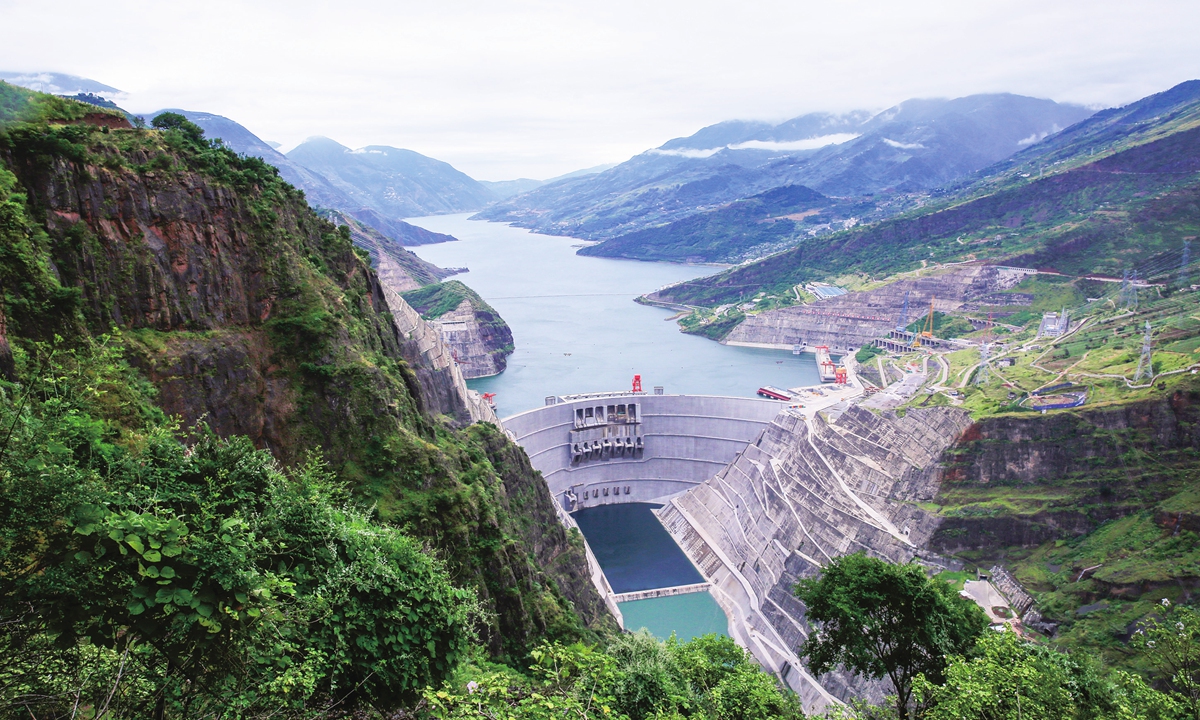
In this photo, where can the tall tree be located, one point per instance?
(878, 619)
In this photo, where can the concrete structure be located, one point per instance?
(757, 493)
(1053, 324)
(814, 486)
(620, 447)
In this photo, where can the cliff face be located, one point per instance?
(479, 339)
(251, 314)
(1028, 479)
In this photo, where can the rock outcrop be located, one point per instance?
(478, 338)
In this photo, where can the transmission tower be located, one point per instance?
(1183, 265)
(902, 323)
(1133, 291)
(981, 377)
(1144, 363)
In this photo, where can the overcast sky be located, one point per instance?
(534, 89)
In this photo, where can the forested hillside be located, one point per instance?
(224, 485)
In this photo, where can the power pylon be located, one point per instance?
(1133, 291)
(1144, 363)
(1125, 287)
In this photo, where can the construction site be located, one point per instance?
(993, 338)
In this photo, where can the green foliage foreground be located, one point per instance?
(141, 577)
(638, 677)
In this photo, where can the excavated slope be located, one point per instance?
(806, 491)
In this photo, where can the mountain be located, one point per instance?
(201, 355)
(59, 84)
(321, 193)
(393, 182)
(1117, 191)
(914, 147)
(504, 189)
(749, 228)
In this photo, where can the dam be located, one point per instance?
(756, 494)
(609, 458)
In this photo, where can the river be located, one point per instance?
(577, 329)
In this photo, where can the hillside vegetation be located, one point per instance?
(1120, 193)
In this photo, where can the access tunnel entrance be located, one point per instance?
(610, 460)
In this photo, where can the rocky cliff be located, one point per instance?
(1022, 480)
(478, 339)
(250, 313)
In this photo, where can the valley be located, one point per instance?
(440, 434)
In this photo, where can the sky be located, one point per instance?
(527, 88)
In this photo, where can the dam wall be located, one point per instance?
(617, 447)
(812, 487)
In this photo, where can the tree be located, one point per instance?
(1172, 644)
(878, 619)
(1011, 679)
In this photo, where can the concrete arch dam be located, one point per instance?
(620, 448)
(756, 493)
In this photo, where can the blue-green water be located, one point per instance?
(577, 329)
(635, 550)
(688, 616)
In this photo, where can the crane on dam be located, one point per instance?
(927, 331)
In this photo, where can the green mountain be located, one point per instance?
(146, 349)
(917, 147)
(320, 191)
(749, 228)
(1119, 194)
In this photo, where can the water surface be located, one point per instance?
(577, 329)
(634, 549)
(687, 616)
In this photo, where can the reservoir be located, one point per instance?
(577, 330)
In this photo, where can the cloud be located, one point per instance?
(687, 152)
(788, 146)
(1038, 137)
(534, 89)
(904, 146)
(792, 145)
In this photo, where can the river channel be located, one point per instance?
(577, 329)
